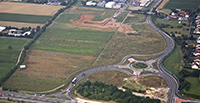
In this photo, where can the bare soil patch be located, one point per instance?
(86, 19)
(25, 8)
(19, 24)
(135, 8)
(162, 5)
(54, 66)
(126, 29)
(153, 82)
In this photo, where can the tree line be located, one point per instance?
(101, 91)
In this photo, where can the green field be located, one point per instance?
(195, 84)
(9, 56)
(182, 4)
(174, 27)
(135, 18)
(139, 65)
(121, 17)
(24, 18)
(174, 62)
(73, 40)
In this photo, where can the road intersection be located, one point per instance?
(172, 83)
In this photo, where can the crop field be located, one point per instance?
(9, 55)
(24, 18)
(25, 15)
(73, 40)
(20, 24)
(182, 4)
(28, 9)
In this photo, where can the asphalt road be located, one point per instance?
(173, 85)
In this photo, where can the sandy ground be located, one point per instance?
(161, 6)
(19, 24)
(86, 20)
(135, 8)
(126, 29)
(25, 8)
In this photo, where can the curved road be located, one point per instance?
(173, 85)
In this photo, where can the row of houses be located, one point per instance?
(196, 62)
(180, 15)
(14, 32)
(197, 29)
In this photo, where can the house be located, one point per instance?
(91, 3)
(22, 66)
(197, 52)
(110, 4)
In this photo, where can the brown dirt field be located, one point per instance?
(19, 24)
(86, 19)
(54, 66)
(153, 81)
(25, 8)
(126, 29)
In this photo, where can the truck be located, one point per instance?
(74, 81)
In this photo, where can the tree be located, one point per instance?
(9, 47)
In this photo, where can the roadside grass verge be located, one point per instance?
(182, 4)
(24, 18)
(9, 55)
(174, 62)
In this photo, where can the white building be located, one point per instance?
(91, 3)
(110, 4)
(145, 2)
(2, 28)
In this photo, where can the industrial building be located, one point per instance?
(110, 4)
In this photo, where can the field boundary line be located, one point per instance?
(104, 47)
(19, 57)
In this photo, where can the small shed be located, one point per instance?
(22, 66)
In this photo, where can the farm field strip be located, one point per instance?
(28, 9)
(182, 4)
(24, 18)
(20, 24)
